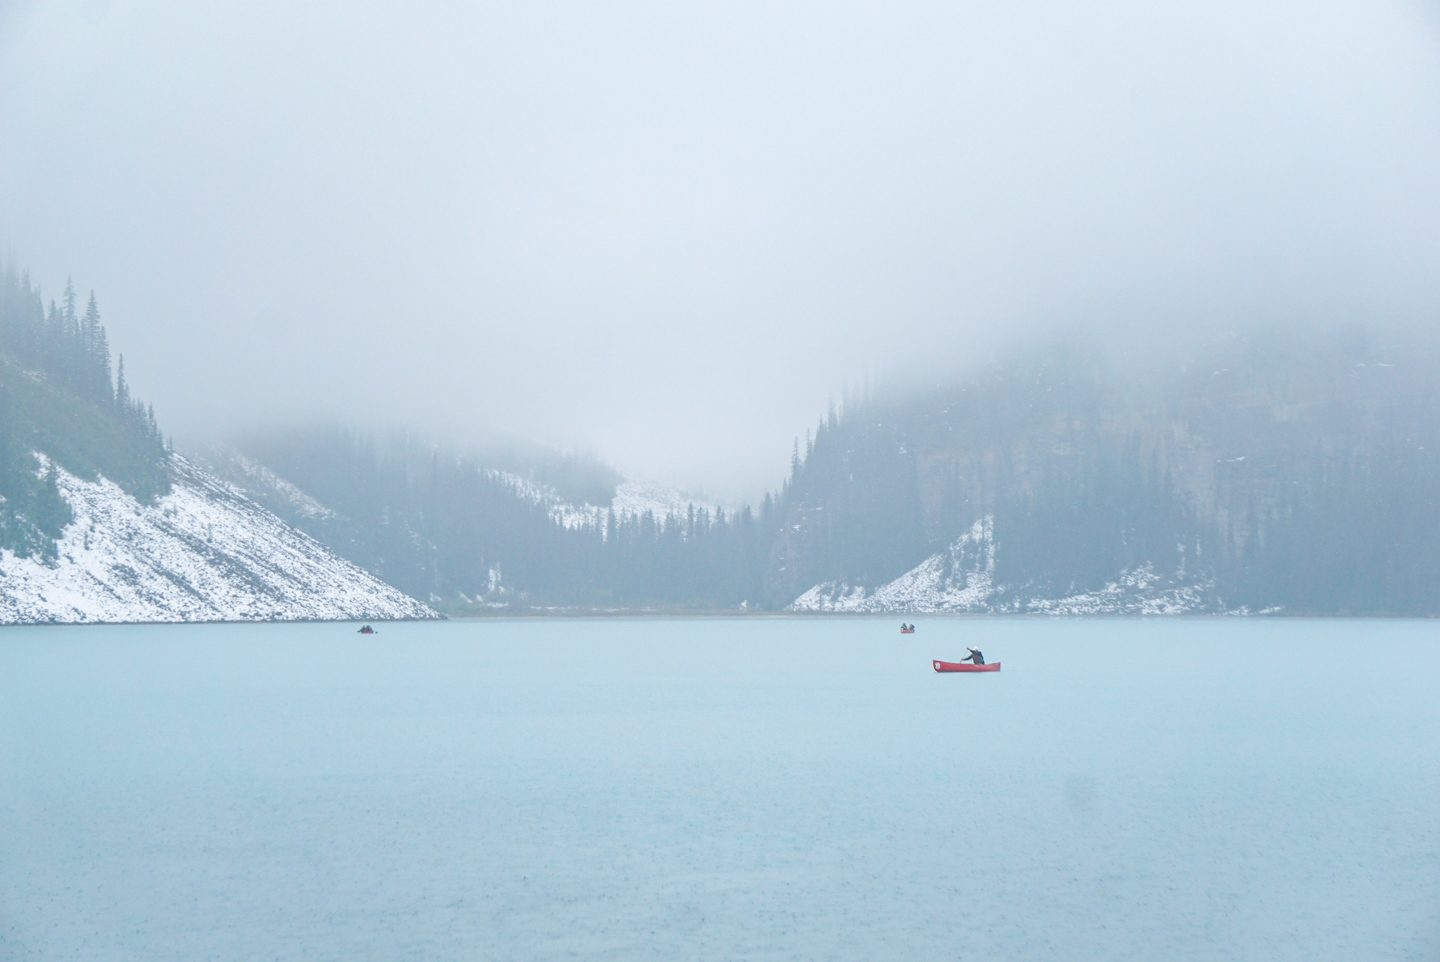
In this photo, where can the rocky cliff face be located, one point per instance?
(203, 552)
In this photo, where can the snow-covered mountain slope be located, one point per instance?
(637, 497)
(632, 499)
(204, 552)
(256, 480)
(962, 579)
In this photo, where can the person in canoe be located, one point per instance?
(975, 658)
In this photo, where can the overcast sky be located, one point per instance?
(670, 232)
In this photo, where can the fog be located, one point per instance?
(671, 233)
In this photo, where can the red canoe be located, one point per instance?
(964, 666)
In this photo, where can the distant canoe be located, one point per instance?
(367, 630)
(907, 631)
(963, 666)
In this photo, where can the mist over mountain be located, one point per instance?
(1255, 472)
(513, 527)
(668, 233)
(1252, 471)
(1269, 471)
(101, 522)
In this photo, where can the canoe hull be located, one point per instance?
(964, 666)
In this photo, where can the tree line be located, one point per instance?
(58, 399)
(454, 530)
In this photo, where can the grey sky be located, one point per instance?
(671, 231)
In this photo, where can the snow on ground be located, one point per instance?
(253, 476)
(204, 552)
(1137, 592)
(632, 499)
(562, 512)
(962, 579)
(637, 497)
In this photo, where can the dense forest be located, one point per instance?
(1278, 472)
(456, 531)
(58, 399)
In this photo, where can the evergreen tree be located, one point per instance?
(122, 390)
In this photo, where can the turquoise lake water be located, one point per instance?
(721, 788)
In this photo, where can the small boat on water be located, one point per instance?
(963, 666)
(367, 630)
(906, 629)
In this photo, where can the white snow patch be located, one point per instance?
(255, 477)
(204, 552)
(632, 500)
(1137, 592)
(635, 498)
(962, 579)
